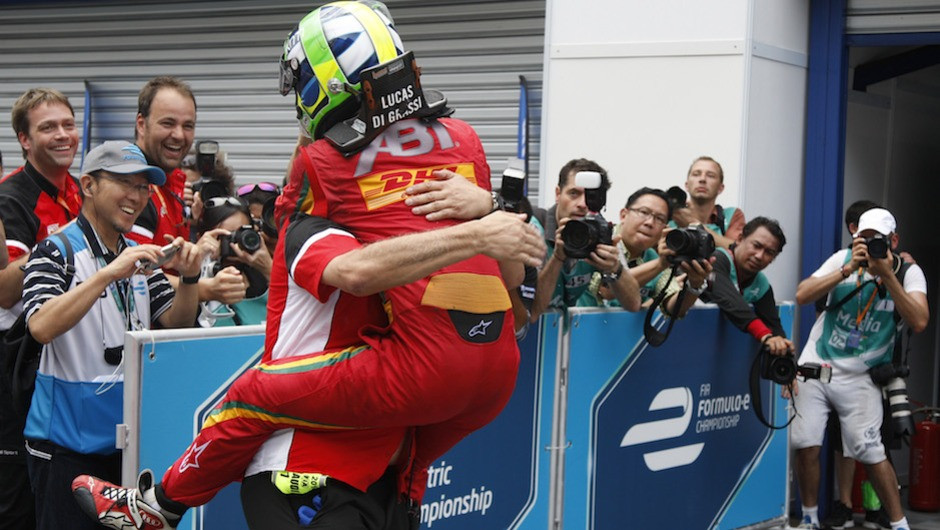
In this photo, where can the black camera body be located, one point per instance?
(246, 237)
(582, 236)
(782, 369)
(877, 246)
(677, 198)
(693, 243)
(882, 374)
(209, 188)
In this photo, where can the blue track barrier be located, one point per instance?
(602, 431)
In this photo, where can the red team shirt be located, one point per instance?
(166, 213)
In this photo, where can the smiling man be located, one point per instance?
(70, 427)
(165, 127)
(35, 201)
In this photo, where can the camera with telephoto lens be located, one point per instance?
(890, 377)
(246, 237)
(582, 236)
(693, 243)
(782, 369)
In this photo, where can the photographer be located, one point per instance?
(854, 335)
(704, 182)
(207, 176)
(841, 511)
(260, 198)
(642, 223)
(233, 247)
(740, 288)
(80, 312)
(563, 281)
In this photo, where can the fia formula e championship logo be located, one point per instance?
(678, 398)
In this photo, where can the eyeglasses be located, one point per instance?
(215, 202)
(645, 214)
(125, 182)
(263, 186)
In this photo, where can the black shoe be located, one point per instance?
(877, 520)
(840, 516)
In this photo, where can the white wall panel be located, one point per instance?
(647, 122)
(646, 87)
(774, 161)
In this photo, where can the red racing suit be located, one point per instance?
(447, 363)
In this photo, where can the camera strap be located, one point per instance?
(653, 336)
(720, 218)
(756, 395)
(846, 298)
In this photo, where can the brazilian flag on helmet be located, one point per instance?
(325, 56)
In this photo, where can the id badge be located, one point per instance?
(853, 340)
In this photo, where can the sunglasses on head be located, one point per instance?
(215, 202)
(263, 186)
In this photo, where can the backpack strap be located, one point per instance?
(69, 258)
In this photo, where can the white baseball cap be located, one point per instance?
(877, 219)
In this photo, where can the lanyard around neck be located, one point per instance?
(860, 313)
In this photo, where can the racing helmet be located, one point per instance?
(324, 57)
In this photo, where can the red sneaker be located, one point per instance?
(116, 507)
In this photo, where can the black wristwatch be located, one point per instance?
(190, 280)
(613, 276)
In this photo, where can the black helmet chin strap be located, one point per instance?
(390, 92)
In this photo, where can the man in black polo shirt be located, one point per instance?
(35, 201)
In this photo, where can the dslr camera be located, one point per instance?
(877, 246)
(582, 236)
(246, 237)
(677, 198)
(209, 188)
(782, 369)
(693, 243)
